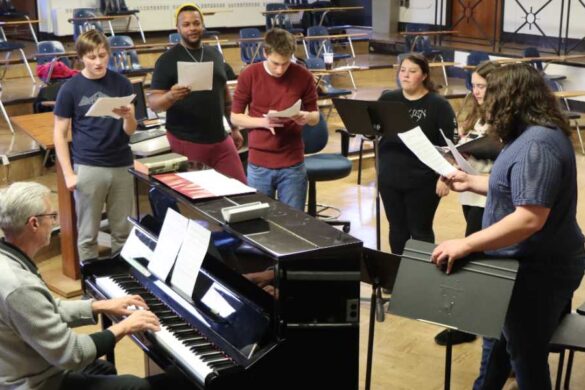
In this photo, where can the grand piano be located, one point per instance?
(297, 328)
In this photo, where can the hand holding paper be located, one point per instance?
(420, 145)
(106, 106)
(290, 112)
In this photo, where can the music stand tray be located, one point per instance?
(474, 298)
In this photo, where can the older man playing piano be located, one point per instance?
(38, 349)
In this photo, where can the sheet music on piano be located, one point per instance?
(169, 243)
(190, 257)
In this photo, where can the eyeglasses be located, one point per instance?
(52, 215)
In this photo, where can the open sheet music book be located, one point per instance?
(203, 184)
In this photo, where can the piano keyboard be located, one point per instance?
(176, 336)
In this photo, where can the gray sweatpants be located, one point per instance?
(96, 186)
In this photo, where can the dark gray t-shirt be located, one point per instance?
(537, 169)
(198, 117)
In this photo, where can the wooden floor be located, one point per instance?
(406, 356)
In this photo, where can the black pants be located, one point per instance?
(102, 375)
(473, 216)
(410, 213)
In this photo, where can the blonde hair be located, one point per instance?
(90, 41)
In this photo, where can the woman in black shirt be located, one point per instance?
(410, 190)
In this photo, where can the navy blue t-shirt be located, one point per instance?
(537, 169)
(96, 141)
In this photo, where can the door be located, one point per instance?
(478, 19)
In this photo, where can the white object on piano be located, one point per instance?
(244, 212)
(134, 248)
(215, 301)
(190, 258)
(169, 242)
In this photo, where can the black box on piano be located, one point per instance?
(474, 298)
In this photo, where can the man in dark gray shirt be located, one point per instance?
(38, 349)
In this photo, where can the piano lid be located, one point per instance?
(284, 232)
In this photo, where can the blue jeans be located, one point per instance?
(543, 289)
(289, 183)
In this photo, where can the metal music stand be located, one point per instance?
(378, 269)
(374, 119)
(474, 298)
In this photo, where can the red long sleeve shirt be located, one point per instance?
(261, 92)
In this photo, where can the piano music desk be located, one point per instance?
(40, 128)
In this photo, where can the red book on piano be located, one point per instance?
(203, 184)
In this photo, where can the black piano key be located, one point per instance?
(197, 343)
(221, 365)
(212, 356)
(187, 339)
(202, 348)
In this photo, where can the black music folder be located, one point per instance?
(484, 148)
(474, 298)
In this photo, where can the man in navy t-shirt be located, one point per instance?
(99, 149)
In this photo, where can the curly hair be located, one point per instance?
(420, 60)
(517, 97)
(476, 113)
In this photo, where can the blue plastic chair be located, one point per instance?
(51, 51)
(9, 11)
(323, 166)
(326, 90)
(251, 46)
(125, 60)
(280, 20)
(318, 47)
(174, 38)
(81, 26)
(119, 8)
(534, 52)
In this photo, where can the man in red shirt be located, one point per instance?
(276, 152)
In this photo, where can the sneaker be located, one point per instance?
(457, 337)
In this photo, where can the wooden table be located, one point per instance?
(568, 94)
(40, 128)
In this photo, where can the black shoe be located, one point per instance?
(457, 337)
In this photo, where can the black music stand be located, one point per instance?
(378, 269)
(474, 298)
(374, 119)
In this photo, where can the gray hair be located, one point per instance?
(20, 201)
